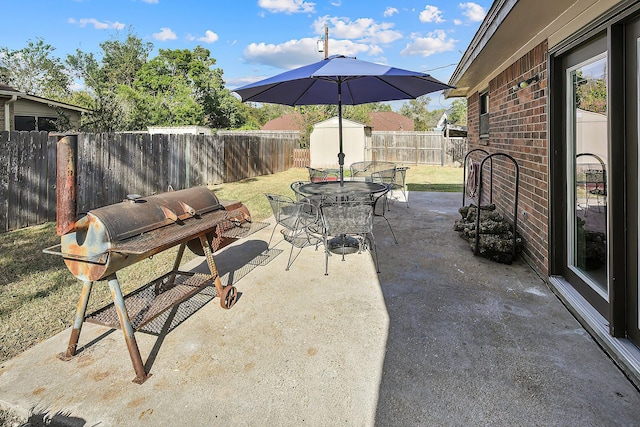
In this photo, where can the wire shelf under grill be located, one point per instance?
(244, 229)
(151, 300)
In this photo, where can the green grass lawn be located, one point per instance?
(38, 295)
(251, 191)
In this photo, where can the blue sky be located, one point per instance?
(254, 39)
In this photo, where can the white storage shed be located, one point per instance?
(324, 143)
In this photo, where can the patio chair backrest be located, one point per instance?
(295, 188)
(385, 176)
(284, 209)
(367, 168)
(355, 217)
(292, 215)
(317, 175)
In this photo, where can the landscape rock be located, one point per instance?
(496, 233)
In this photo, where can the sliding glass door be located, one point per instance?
(587, 172)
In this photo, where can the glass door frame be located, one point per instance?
(606, 35)
(570, 171)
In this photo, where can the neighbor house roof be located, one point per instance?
(512, 28)
(390, 121)
(7, 91)
(290, 121)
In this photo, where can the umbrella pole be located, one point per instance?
(340, 154)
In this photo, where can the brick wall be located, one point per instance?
(518, 127)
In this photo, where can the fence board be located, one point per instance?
(110, 166)
(5, 159)
(428, 148)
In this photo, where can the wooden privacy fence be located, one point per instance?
(422, 148)
(110, 166)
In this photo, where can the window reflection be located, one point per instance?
(589, 123)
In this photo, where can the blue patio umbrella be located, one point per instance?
(340, 80)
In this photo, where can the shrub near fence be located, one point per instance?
(110, 166)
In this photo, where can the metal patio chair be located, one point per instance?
(395, 177)
(385, 177)
(299, 221)
(295, 185)
(348, 228)
(317, 175)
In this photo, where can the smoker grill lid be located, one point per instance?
(134, 217)
(167, 237)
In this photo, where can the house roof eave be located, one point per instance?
(54, 103)
(511, 29)
(492, 21)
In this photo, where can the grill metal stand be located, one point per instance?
(162, 287)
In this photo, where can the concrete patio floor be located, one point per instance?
(439, 337)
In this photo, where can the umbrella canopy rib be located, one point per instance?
(407, 94)
(304, 93)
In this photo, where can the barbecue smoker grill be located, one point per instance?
(108, 239)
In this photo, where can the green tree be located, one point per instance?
(361, 113)
(35, 70)
(107, 83)
(418, 111)
(262, 113)
(97, 96)
(181, 87)
(121, 60)
(591, 95)
(458, 112)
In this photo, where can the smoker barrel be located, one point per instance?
(112, 237)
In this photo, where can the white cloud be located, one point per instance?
(98, 25)
(290, 54)
(473, 11)
(287, 6)
(433, 43)
(295, 53)
(431, 14)
(209, 37)
(151, 1)
(165, 34)
(364, 30)
(390, 11)
(457, 22)
(241, 81)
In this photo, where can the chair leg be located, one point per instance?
(291, 256)
(390, 228)
(372, 243)
(326, 257)
(293, 238)
(404, 194)
(272, 233)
